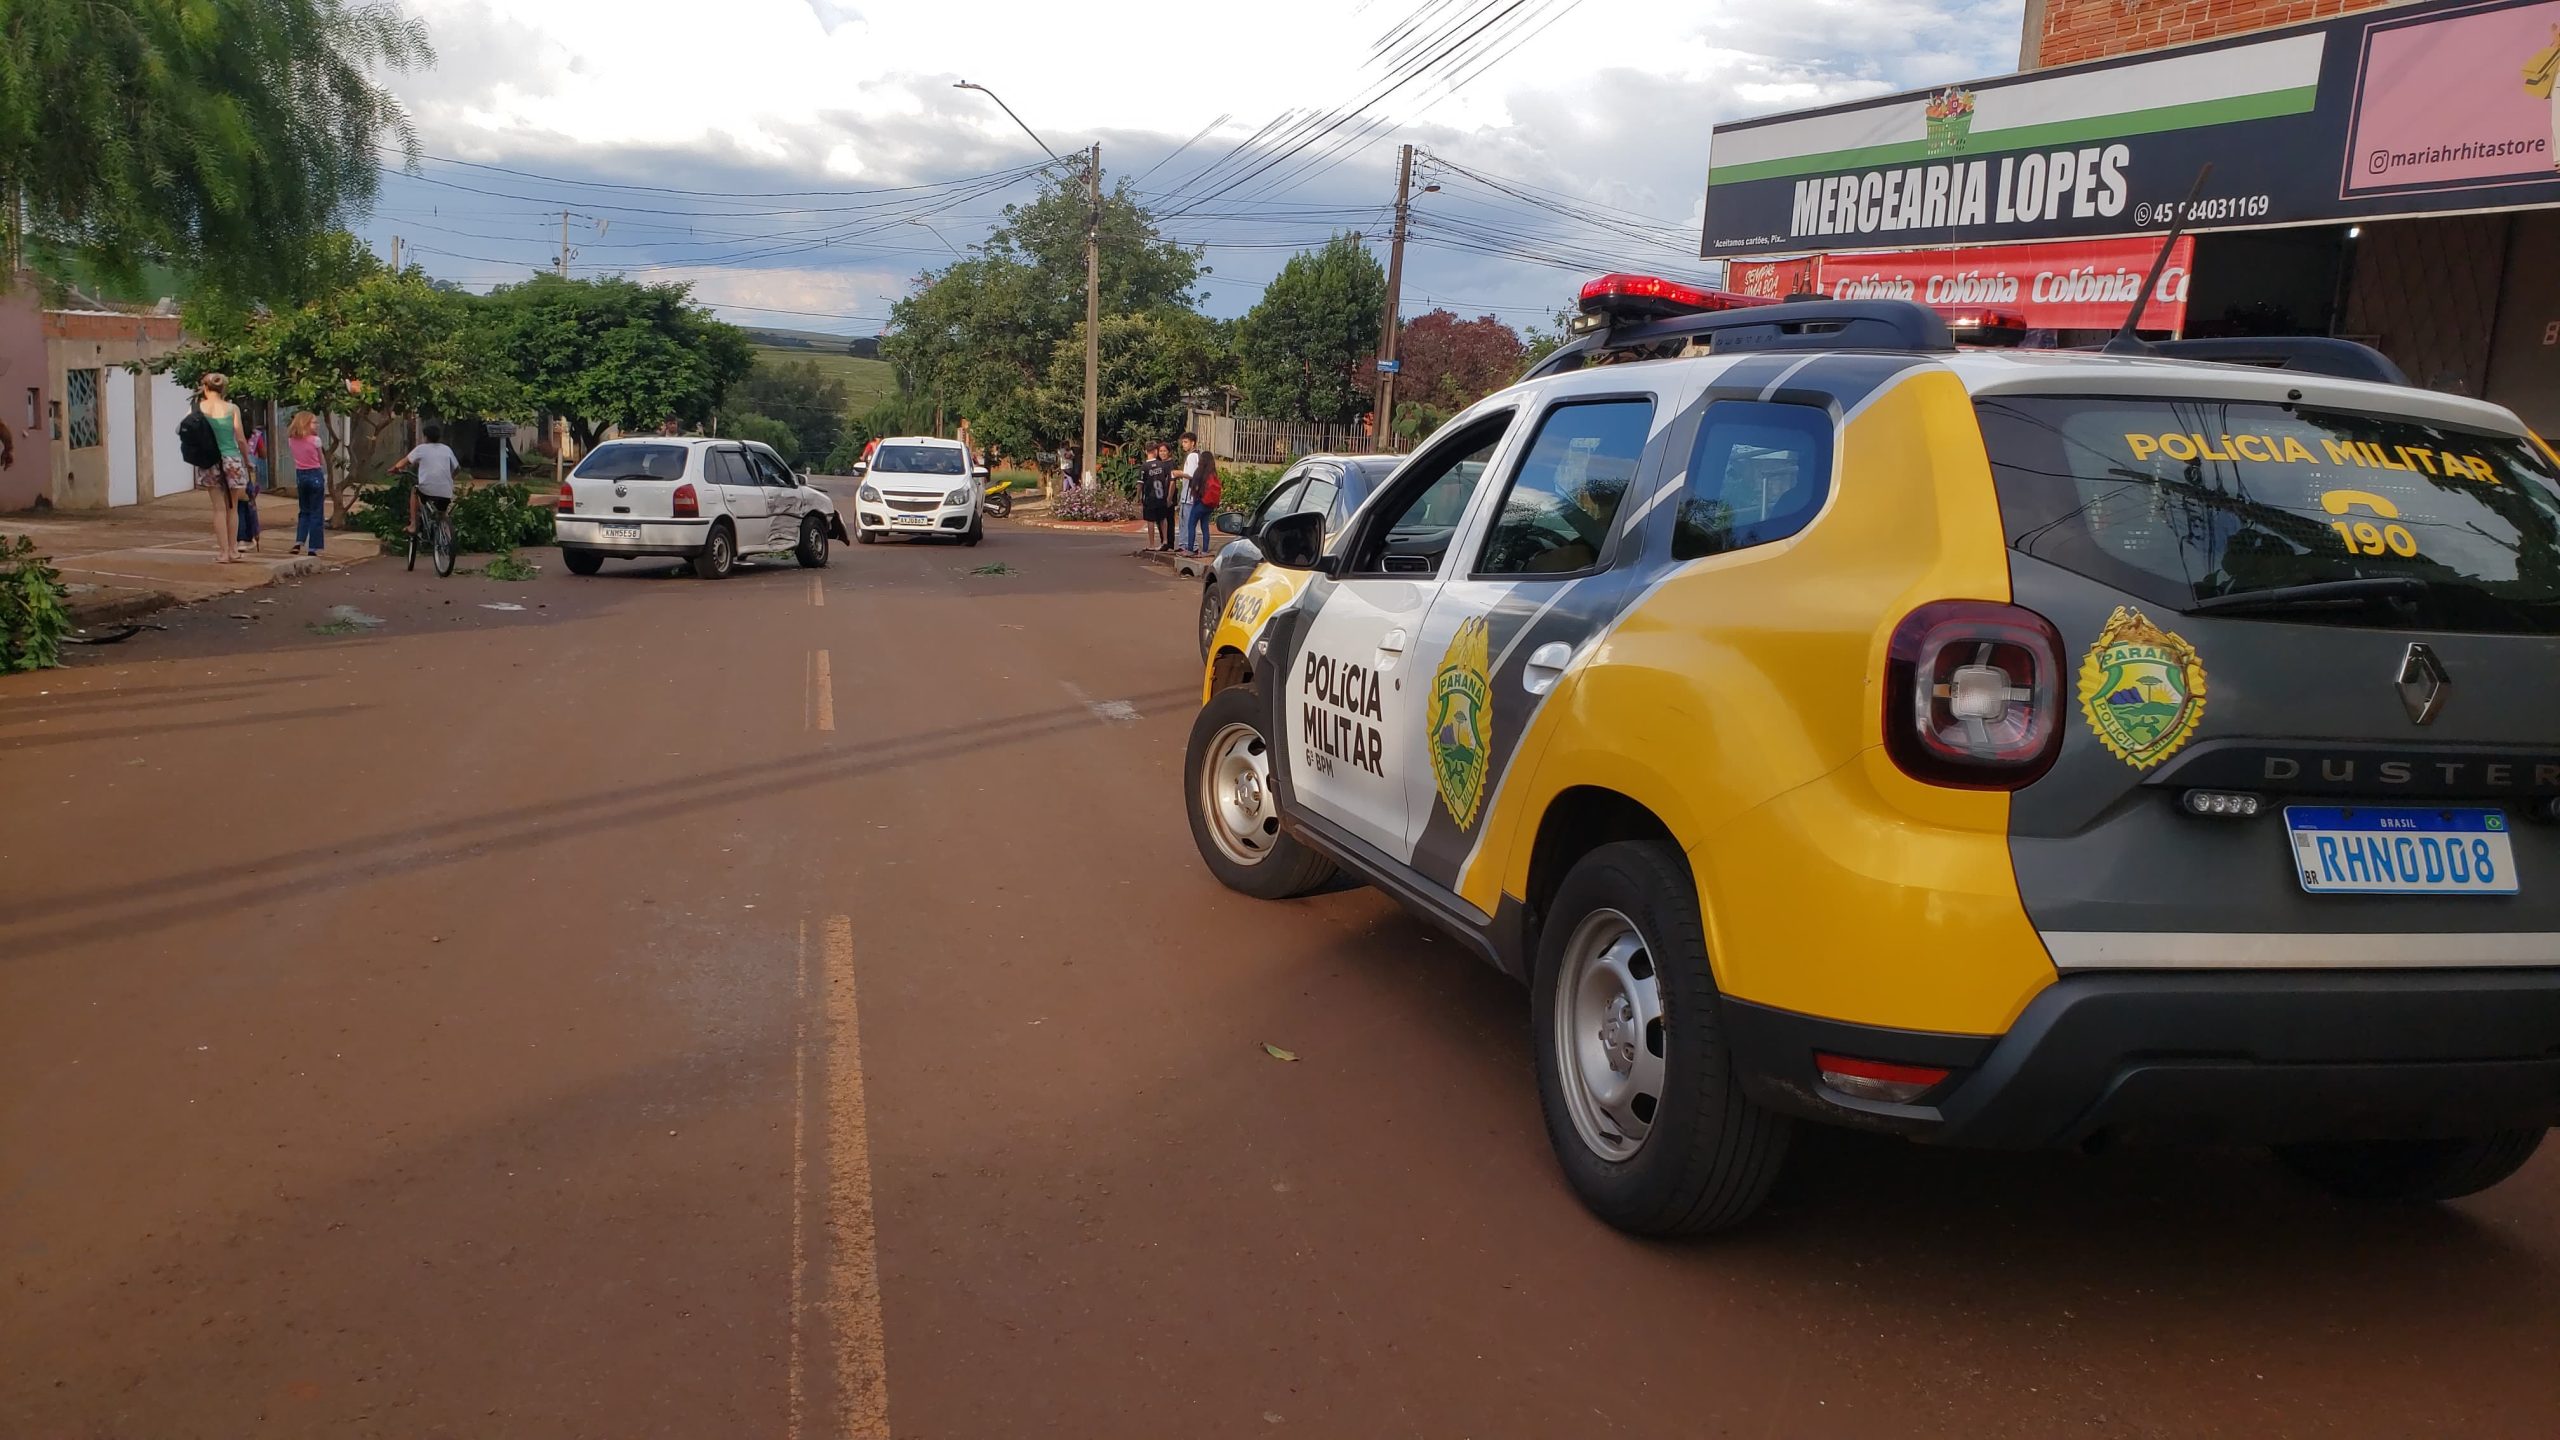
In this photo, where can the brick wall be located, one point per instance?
(2066, 32)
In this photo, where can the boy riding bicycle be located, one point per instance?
(436, 465)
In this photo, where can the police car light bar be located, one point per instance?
(1978, 325)
(1612, 299)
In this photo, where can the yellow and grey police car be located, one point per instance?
(1997, 748)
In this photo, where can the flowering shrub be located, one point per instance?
(1099, 502)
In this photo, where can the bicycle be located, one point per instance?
(439, 538)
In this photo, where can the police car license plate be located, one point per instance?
(628, 534)
(2384, 850)
(910, 519)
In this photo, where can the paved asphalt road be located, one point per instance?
(782, 1008)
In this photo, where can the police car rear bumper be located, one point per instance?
(2247, 1057)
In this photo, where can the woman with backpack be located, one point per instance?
(209, 440)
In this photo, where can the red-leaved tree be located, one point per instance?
(1449, 364)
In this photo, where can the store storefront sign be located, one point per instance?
(2069, 285)
(2404, 111)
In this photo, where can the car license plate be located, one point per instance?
(910, 519)
(623, 534)
(2401, 850)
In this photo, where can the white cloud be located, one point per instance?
(1613, 103)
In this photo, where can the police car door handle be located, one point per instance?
(1392, 643)
(1545, 667)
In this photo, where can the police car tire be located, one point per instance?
(1211, 608)
(2412, 1170)
(1291, 869)
(1712, 1155)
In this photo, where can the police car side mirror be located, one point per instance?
(1230, 522)
(1294, 542)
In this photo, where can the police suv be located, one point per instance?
(1993, 748)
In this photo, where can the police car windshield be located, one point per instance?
(622, 460)
(2196, 503)
(918, 460)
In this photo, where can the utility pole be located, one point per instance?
(564, 244)
(395, 254)
(1387, 362)
(1091, 456)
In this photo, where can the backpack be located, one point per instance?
(196, 444)
(1205, 484)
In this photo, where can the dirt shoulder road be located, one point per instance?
(793, 1008)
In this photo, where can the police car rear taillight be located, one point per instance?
(1878, 1079)
(1612, 298)
(1980, 325)
(1973, 695)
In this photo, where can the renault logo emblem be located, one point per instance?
(2423, 684)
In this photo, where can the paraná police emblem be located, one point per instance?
(2141, 689)
(1461, 719)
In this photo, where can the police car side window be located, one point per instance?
(1564, 497)
(1759, 472)
(1415, 523)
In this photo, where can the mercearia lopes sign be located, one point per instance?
(2398, 111)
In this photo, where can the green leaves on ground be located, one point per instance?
(487, 519)
(33, 619)
(505, 566)
(1276, 1053)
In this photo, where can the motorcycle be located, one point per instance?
(998, 495)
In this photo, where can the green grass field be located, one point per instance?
(866, 382)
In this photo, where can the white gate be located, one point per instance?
(116, 416)
(169, 473)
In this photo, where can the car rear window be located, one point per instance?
(621, 461)
(918, 460)
(2187, 503)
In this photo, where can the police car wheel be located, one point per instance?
(1211, 607)
(1235, 817)
(1642, 1105)
(2412, 1170)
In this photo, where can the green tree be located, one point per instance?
(1140, 385)
(979, 336)
(615, 352)
(765, 430)
(1304, 350)
(377, 350)
(226, 139)
(796, 393)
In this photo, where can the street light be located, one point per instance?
(1087, 458)
(938, 235)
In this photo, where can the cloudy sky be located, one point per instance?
(802, 162)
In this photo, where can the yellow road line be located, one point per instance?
(817, 592)
(853, 1272)
(823, 694)
(799, 1181)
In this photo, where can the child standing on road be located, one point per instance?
(310, 481)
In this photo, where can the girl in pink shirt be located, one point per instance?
(310, 481)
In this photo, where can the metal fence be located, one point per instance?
(1242, 437)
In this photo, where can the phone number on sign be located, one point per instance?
(2225, 207)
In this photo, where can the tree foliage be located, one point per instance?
(378, 348)
(1305, 349)
(615, 352)
(1449, 364)
(796, 394)
(1145, 359)
(228, 139)
(980, 336)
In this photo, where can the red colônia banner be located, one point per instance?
(2064, 285)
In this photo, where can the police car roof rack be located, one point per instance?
(1789, 325)
(2310, 354)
